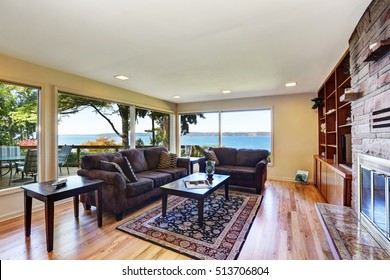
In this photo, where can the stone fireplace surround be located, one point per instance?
(372, 81)
(347, 237)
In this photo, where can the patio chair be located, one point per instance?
(30, 166)
(8, 152)
(63, 155)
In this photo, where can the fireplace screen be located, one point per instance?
(374, 192)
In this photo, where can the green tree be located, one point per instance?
(160, 126)
(18, 113)
(186, 120)
(68, 104)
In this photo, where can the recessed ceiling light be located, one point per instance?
(226, 91)
(176, 96)
(122, 77)
(292, 84)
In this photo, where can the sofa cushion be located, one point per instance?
(159, 178)
(210, 155)
(93, 161)
(177, 173)
(242, 173)
(223, 169)
(250, 157)
(152, 156)
(143, 185)
(167, 160)
(136, 158)
(226, 156)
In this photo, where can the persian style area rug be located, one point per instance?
(226, 225)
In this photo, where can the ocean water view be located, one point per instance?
(234, 141)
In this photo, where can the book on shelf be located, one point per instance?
(197, 184)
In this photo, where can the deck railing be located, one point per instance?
(81, 150)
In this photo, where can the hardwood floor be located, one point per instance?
(286, 227)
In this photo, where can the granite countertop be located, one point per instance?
(348, 237)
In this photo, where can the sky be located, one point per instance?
(244, 121)
(87, 122)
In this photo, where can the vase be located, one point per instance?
(210, 169)
(187, 150)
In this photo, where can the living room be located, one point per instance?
(295, 137)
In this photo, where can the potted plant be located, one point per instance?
(317, 102)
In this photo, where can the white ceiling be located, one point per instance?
(191, 48)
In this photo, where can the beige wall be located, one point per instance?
(49, 80)
(294, 129)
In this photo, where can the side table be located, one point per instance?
(193, 161)
(48, 194)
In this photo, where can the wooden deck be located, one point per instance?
(17, 181)
(286, 227)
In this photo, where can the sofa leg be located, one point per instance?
(118, 216)
(86, 206)
(258, 190)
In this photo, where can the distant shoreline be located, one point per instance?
(248, 140)
(258, 133)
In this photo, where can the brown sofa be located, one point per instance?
(246, 167)
(120, 196)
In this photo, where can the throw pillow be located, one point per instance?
(173, 160)
(128, 170)
(121, 165)
(167, 160)
(107, 166)
(210, 155)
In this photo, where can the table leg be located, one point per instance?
(49, 221)
(27, 213)
(200, 211)
(164, 203)
(99, 205)
(227, 190)
(76, 206)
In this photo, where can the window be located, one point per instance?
(152, 128)
(251, 129)
(200, 131)
(246, 129)
(89, 126)
(18, 135)
(97, 126)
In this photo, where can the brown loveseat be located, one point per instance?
(120, 196)
(246, 167)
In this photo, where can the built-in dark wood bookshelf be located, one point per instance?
(333, 175)
(334, 116)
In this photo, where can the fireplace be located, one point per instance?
(374, 193)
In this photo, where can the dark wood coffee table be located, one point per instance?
(48, 194)
(178, 188)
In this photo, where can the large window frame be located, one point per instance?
(220, 125)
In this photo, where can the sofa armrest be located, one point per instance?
(110, 178)
(261, 174)
(185, 163)
(261, 165)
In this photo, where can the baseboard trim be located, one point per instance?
(287, 179)
(35, 208)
